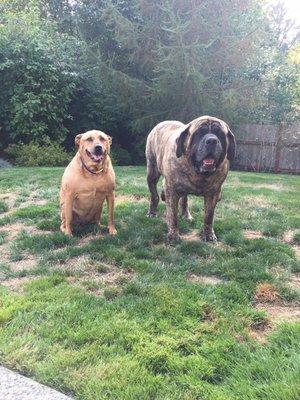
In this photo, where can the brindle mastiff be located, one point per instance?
(193, 159)
(87, 182)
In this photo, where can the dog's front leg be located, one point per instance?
(67, 213)
(111, 206)
(208, 234)
(172, 200)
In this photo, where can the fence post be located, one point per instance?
(278, 145)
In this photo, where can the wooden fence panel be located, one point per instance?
(268, 148)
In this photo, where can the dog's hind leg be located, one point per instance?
(185, 208)
(152, 179)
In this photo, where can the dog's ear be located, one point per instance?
(109, 141)
(109, 138)
(231, 145)
(77, 140)
(180, 141)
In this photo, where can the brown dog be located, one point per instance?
(193, 159)
(88, 180)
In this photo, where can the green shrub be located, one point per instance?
(49, 154)
(121, 156)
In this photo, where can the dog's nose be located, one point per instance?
(98, 149)
(211, 141)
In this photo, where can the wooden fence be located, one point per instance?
(268, 148)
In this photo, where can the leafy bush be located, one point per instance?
(49, 154)
(37, 78)
(121, 156)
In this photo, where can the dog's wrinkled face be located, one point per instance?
(206, 142)
(208, 147)
(93, 146)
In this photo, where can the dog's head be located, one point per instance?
(206, 142)
(93, 147)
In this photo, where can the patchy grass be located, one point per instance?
(128, 317)
(3, 206)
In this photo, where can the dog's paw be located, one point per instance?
(209, 236)
(112, 231)
(152, 214)
(173, 238)
(188, 217)
(66, 231)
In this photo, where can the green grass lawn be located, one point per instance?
(128, 317)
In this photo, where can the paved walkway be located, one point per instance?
(4, 163)
(16, 387)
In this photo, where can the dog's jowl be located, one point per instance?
(193, 159)
(87, 182)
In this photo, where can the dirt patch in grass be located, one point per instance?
(12, 230)
(252, 234)
(288, 238)
(9, 199)
(76, 265)
(268, 299)
(280, 312)
(98, 282)
(12, 198)
(17, 227)
(233, 182)
(259, 201)
(86, 239)
(278, 271)
(265, 292)
(17, 284)
(27, 263)
(192, 236)
(236, 182)
(204, 279)
(36, 202)
(297, 252)
(130, 198)
(271, 186)
(260, 335)
(294, 281)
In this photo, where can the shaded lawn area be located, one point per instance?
(128, 317)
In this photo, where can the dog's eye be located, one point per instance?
(215, 128)
(89, 139)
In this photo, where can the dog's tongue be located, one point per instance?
(208, 161)
(97, 158)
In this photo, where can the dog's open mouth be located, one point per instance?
(208, 162)
(97, 158)
(207, 165)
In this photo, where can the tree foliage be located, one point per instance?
(122, 66)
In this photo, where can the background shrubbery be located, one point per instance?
(123, 66)
(35, 154)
